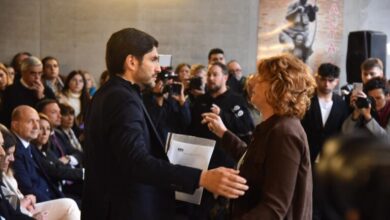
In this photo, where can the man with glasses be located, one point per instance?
(26, 91)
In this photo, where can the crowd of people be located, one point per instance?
(68, 145)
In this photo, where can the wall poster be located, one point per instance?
(310, 29)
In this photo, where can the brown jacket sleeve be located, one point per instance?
(281, 166)
(233, 145)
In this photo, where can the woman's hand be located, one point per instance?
(214, 123)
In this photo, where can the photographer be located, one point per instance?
(371, 113)
(167, 105)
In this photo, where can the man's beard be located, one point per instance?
(213, 89)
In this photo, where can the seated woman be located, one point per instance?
(67, 125)
(68, 179)
(76, 95)
(276, 163)
(52, 209)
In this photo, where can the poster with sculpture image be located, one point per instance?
(310, 29)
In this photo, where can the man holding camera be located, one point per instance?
(371, 112)
(167, 106)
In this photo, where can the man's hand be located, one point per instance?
(39, 89)
(223, 181)
(214, 123)
(181, 98)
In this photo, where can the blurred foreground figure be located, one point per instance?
(354, 178)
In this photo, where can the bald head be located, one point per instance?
(25, 122)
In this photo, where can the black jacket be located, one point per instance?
(128, 175)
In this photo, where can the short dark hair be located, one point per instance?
(46, 59)
(222, 66)
(66, 109)
(14, 62)
(377, 83)
(215, 51)
(43, 103)
(329, 70)
(128, 41)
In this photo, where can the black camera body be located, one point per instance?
(172, 89)
(363, 102)
(167, 73)
(195, 83)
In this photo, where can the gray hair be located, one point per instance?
(30, 62)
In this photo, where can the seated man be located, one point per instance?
(26, 91)
(60, 144)
(53, 209)
(29, 173)
(362, 116)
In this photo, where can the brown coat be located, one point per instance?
(277, 168)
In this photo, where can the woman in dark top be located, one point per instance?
(276, 163)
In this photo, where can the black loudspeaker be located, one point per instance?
(363, 45)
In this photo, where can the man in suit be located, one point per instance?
(327, 110)
(128, 174)
(324, 118)
(29, 173)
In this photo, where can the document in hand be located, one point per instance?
(189, 151)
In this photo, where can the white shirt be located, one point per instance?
(326, 107)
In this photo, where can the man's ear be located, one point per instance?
(131, 62)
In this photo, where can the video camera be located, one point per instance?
(165, 76)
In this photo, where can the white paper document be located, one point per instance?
(193, 152)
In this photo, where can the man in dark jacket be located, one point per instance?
(26, 91)
(128, 174)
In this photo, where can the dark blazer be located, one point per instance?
(57, 170)
(277, 169)
(317, 133)
(31, 176)
(15, 95)
(128, 175)
(66, 148)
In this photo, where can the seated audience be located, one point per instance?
(91, 85)
(16, 63)
(76, 95)
(60, 145)
(51, 75)
(57, 209)
(25, 91)
(67, 125)
(67, 178)
(29, 172)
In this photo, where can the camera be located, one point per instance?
(363, 102)
(195, 83)
(172, 89)
(166, 73)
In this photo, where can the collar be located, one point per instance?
(24, 83)
(25, 143)
(131, 85)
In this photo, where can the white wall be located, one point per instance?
(76, 31)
